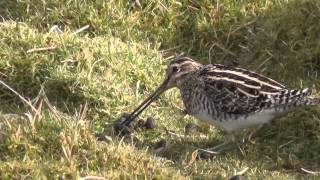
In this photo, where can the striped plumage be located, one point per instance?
(227, 97)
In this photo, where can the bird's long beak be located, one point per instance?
(163, 87)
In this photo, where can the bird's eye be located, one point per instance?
(175, 69)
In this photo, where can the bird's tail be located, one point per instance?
(311, 101)
(303, 98)
(294, 98)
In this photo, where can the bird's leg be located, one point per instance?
(230, 144)
(184, 112)
(252, 133)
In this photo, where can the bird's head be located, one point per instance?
(176, 74)
(178, 70)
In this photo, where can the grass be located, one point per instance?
(88, 79)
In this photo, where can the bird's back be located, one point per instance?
(235, 98)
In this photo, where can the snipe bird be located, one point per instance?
(229, 98)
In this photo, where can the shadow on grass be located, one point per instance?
(289, 143)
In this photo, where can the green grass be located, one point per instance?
(90, 78)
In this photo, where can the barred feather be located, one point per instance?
(228, 97)
(216, 93)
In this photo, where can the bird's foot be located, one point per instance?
(209, 153)
(251, 135)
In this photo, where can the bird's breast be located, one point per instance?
(233, 122)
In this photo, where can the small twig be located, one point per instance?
(2, 74)
(20, 96)
(38, 101)
(240, 27)
(41, 49)
(81, 29)
(137, 2)
(194, 156)
(174, 134)
(43, 98)
(52, 108)
(192, 7)
(83, 111)
(209, 151)
(218, 10)
(92, 178)
(212, 46)
(242, 172)
(65, 153)
(164, 7)
(224, 49)
(183, 111)
(309, 172)
(169, 58)
(265, 61)
(170, 49)
(283, 145)
(55, 28)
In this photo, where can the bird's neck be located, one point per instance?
(188, 80)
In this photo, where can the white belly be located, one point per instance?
(252, 120)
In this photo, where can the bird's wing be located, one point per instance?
(239, 91)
